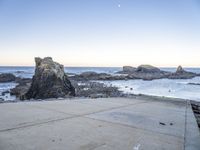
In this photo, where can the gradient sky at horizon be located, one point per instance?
(101, 32)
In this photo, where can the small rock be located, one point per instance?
(7, 77)
(161, 123)
(5, 92)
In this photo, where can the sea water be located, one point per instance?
(178, 88)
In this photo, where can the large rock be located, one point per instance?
(147, 69)
(129, 69)
(7, 77)
(49, 81)
(146, 72)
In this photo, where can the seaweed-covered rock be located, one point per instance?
(7, 77)
(95, 89)
(49, 81)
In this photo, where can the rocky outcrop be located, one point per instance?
(7, 77)
(22, 88)
(95, 90)
(180, 70)
(128, 69)
(148, 72)
(145, 72)
(49, 81)
(148, 69)
(182, 74)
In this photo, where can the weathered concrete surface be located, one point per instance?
(98, 124)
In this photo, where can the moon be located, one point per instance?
(119, 5)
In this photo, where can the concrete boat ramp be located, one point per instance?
(99, 124)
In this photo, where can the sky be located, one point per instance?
(163, 33)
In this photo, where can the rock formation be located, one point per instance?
(148, 72)
(7, 77)
(23, 86)
(49, 81)
(180, 70)
(147, 69)
(182, 74)
(129, 69)
(145, 72)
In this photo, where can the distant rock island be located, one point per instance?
(144, 72)
(148, 72)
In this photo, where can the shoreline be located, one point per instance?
(123, 95)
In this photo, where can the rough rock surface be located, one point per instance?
(7, 77)
(49, 81)
(23, 86)
(95, 90)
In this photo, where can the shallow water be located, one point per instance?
(179, 88)
(7, 87)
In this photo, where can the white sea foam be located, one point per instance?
(6, 87)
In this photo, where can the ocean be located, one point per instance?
(179, 88)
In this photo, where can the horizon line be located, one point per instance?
(103, 66)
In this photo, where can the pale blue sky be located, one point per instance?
(100, 33)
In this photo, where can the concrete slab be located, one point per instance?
(86, 106)
(155, 116)
(100, 124)
(23, 114)
(85, 134)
